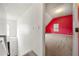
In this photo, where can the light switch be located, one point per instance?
(56, 27)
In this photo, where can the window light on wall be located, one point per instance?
(8, 30)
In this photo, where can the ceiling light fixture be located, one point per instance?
(59, 10)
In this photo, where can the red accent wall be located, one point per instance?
(65, 25)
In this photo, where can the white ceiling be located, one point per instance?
(15, 10)
(52, 7)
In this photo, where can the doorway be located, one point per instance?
(58, 29)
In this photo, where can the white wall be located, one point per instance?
(28, 18)
(2, 20)
(3, 50)
(13, 12)
(30, 31)
(37, 32)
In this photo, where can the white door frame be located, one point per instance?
(75, 34)
(43, 4)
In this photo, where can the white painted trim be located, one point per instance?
(43, 6)
(75, 35)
